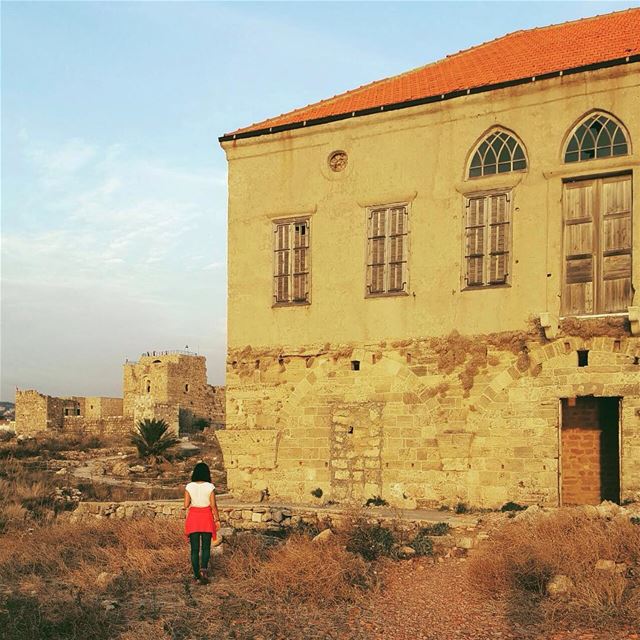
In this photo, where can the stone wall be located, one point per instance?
(465, 531)
(102, 407)
(109, 426)
(31, 411)
(422, 422)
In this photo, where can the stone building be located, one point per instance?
(431, 281)
(166, 385)
(174, 384)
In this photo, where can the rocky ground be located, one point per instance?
(435, 601)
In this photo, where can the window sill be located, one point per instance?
(278, 305)
(592, 316)
(495, 182)
(387, 294)
(483, 287)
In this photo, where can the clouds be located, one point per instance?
(111, 244)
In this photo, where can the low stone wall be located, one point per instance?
(464, 530)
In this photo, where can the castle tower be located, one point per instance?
(168, 385)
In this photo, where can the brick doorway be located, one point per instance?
(590, 450)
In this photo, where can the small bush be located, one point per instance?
(376, 501)
(512, 506)
(422, 543)
(437, 529)
(152, 439)
(462, 507)
(317, 493)
(370, 541)
(307, 529)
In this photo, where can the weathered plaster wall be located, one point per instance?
(417, 155)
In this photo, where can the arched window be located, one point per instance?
(499, 152)
(597, 136)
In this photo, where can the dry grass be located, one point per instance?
(57, 578)
(524, 555)
(49, 446)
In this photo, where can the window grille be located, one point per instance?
(499, 152)
(291, 262)
(487, 239)
(387, 250)
(598, 136)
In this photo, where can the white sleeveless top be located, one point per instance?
(200, 493)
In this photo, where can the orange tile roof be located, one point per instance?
(515, 57)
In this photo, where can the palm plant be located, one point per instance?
(151, 438)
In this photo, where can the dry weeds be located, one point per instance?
(523, 556)
(57, 578)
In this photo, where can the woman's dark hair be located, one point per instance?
(201, 472)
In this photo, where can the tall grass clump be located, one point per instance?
(524, 555)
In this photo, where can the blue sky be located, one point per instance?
(113, 183)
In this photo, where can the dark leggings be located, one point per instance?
(195, 539)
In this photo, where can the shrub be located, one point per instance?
(524, 554)
(317, 493)
(512, 506)
(462, 507)
(376, 501)
(200, 424)
(437, 529)
(152, 439)
(422, 543)
(370, 540)
(305, 529)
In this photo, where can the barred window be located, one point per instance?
(598, 136)
(499, 152)
(291, 262)
(487, 239)
(387, 250)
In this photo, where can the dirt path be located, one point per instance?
(423, 601)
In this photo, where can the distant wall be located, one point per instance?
(101, 407)
(117, 426)
(31, 411)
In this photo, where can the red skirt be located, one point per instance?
(200, 520)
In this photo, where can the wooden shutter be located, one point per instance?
(474, 241)
(615, 243)
(376, 242)
(579, 225)
(300, 261)
(282, 263)
(397, 249)
(498, 205)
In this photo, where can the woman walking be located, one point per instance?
(202, 519)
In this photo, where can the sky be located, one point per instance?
(113, 224)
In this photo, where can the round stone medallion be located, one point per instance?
(338, 161)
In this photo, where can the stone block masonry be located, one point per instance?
(430, 421)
